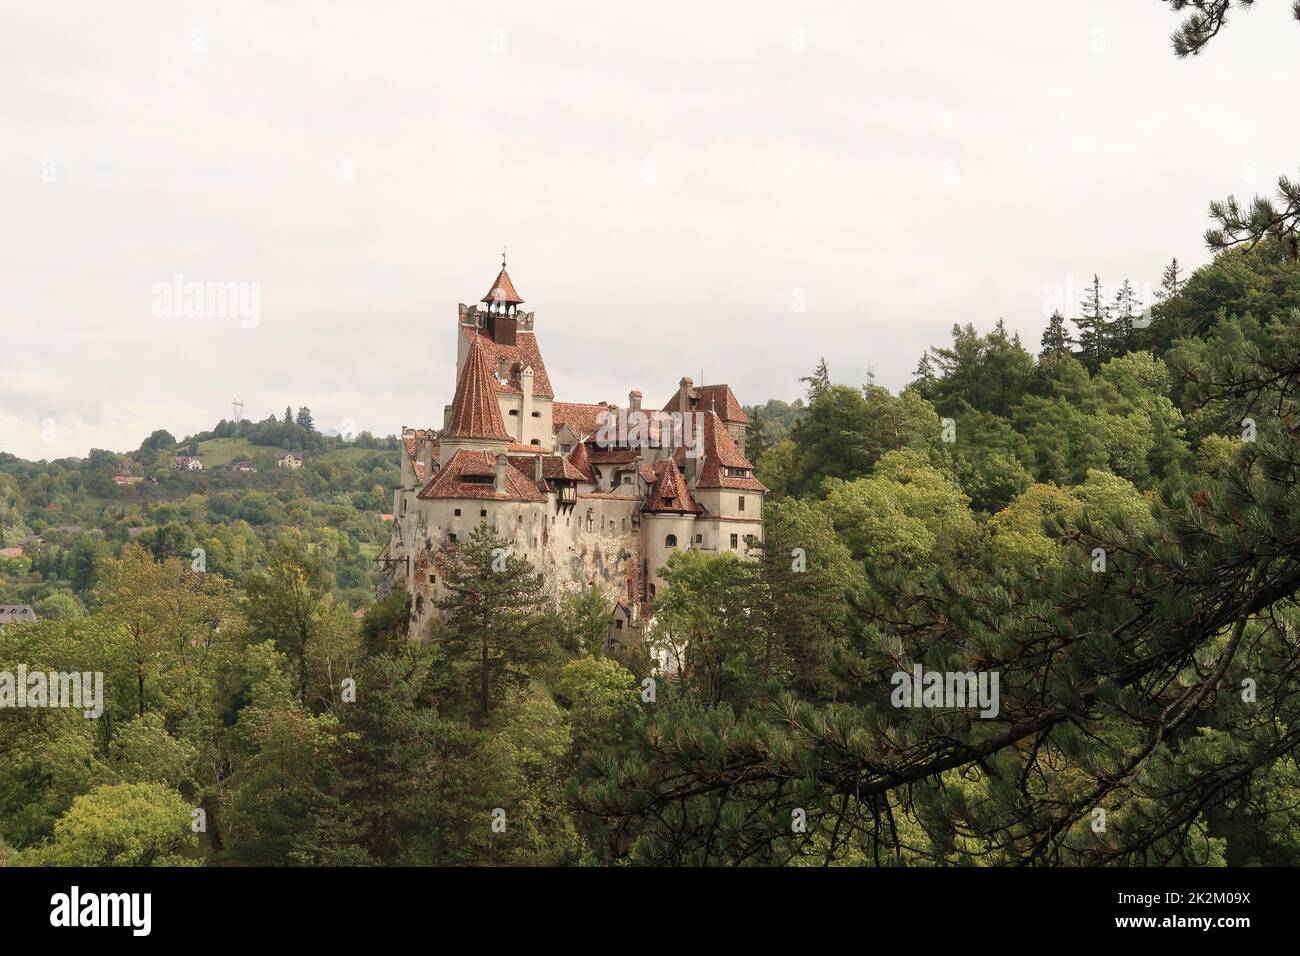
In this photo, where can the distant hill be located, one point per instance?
(65, 515)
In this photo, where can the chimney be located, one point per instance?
(634, 401)
(526, 403)
(537, 469)
(499, 481)
(684, 395)
(424, 451)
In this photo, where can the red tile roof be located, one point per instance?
(582, 419)
(503, 290)
(719, 398)
(669, 493)
(449, 482)
(411, 452)
(556, 467)
(611, 456)
(581, 461)
(474, 411)
(720, 453)
(523, 353)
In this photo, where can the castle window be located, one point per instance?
(740, 499)
(433, 579)
(457, 512)
(618, 625)
(699, 539)
(590, 523)
(451, 538)
(535, 441)
(671, 541)
(537, 414)
(565, 449)
(482, 513)
(514, 411)
(735, 541)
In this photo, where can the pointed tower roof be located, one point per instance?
(474, 411)
(669, 492)
(503, 290)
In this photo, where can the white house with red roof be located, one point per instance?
(592, 494)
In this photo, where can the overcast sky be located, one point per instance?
(671, 180)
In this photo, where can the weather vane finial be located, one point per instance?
(503, 257)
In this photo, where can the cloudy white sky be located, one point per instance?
(669, 179)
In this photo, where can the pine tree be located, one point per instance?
(1094, 316)
(756, 440)
(1126, 310)
(819, 382)
(304, 419)
(1171, 283)
(923, 377)
(288, 415)
(1056, 337)
(495, 628)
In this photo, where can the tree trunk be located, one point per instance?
(483, 679)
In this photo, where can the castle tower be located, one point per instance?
(475, 421)
(502, 302)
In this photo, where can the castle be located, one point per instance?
(592, 494)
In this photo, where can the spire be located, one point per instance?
(503, 290)
(669, 492)
(474, 411)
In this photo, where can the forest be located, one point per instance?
(1108, 520)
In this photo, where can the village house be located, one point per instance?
(187, 463)
(291, 459)
(242, 465)
(593, 494)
